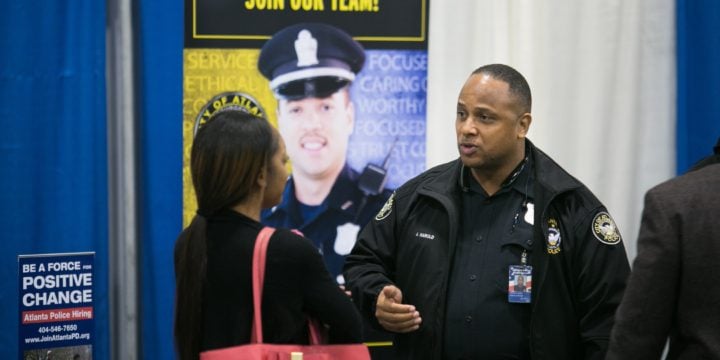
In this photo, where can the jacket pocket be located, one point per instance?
(515, 242)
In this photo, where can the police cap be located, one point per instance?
(310, 60)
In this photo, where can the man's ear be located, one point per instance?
(524, 125)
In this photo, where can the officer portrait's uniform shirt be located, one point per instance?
(333, 225)
(481, 323)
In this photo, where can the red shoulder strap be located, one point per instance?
(258, 278)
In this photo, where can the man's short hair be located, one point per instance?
(517, 83)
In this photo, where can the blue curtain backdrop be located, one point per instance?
(698, 82)
(53, 188)
(160, 37)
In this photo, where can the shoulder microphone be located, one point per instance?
(373, 178)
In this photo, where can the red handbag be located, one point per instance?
(257, 350)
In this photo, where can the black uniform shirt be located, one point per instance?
(480, 322)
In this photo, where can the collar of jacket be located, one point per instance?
(549, 177)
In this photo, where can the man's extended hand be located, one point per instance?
(392, 314)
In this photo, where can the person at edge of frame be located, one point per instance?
(669, 299)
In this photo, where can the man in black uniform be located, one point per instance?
(310, 67)
(434, 265)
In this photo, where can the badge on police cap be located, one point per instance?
(306, 49)
(605, 230)
(553, 239)
(310, 60)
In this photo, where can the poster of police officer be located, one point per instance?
(344, 82)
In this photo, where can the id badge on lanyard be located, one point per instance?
(520, 281)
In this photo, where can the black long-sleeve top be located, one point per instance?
(297, 285)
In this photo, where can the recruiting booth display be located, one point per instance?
(267, 55)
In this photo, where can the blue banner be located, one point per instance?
(56, 306)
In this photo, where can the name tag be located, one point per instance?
(520, 284)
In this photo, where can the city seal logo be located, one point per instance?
(386, 209)
(228, 100)
(605, 230)
(554, 239)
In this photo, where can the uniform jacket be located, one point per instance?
(334, 228)
(673, 290)
(577, 279)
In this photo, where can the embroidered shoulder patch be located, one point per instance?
(386, 209)
(605, 230)
(554, 239)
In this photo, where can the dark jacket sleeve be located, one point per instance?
(322, 297)
(599, 274)
(371, 264)
(643, 320)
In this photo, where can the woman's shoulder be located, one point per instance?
(291, 241)
(295, 253)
